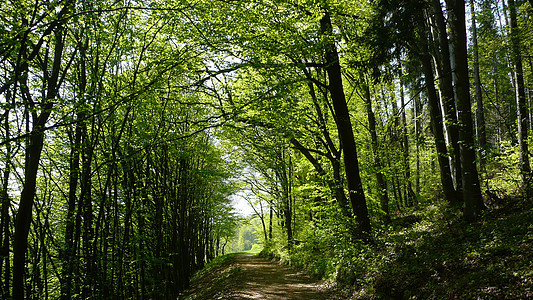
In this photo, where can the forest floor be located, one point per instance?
(440, 256)
(248, 276)
(434, 255)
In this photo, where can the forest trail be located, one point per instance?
(247, 276)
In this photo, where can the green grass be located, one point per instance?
(442, 256)
(215, 263)
(213, 280)
(256, 249)
(432, 253)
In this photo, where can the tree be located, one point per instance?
(441, 53)
(480, 111)
(344, 127)
(521, 102)
(35, 144)
(382, 185)
(471, 188)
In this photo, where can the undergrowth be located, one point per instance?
(211, 282)
(426, 254)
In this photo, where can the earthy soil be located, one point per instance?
(247, 276)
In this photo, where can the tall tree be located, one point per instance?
(521, 101)
(438, 130)
(33, 150)
(344, 127)
(380, 178)
(444, 70)
(5, 206)
(481, 132)
(471, 188)
(410, 194)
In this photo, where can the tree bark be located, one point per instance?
(344, 127)
(86, 199)
(447, 94)
(521, 102)
(416, 121)
(380, 178)
(68, 250)
(438, 131)
(481, 132)
(33, 157)
(5, 270)
(471, 188)
(411, 196)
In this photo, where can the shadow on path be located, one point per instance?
(253, 277)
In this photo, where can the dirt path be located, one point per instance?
(247, 276)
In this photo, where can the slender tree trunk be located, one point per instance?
(284, 175)
(438, 131)
(448, 99)
(411, 196)
(45, 262)
(395, 138)
(74, 170)
(521, 103)
(23, 218)
(471, 188)
(68, 251)
(380, 178)
(480, 112)
(270, 222)
(33, 157)
(344, 127)
(263, 223)
(5, 270)
(88, 230)
(416, 120)
(334, 156)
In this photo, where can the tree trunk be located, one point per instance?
(411, 196)
(334, 156)
(438, 131)
(270, 222)
(86, 199)
(448, 98)
(521, 102)
(380, 178)
(33, 157)
(416, 121)
(480, 112)
(5, 270)
(74, 171)
(68, 250)
(471, 189)
(344, 127)
(24, 213)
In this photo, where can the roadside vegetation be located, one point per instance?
(382, 145)
(430, 254)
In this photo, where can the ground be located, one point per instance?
(248, 276)
(429, 255)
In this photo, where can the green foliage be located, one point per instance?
(206, 278)
(503, 177)
(245, 237)
(428, 254)
(166, 110)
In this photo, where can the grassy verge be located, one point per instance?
(215, 280)
(431, 254)
(443, 256)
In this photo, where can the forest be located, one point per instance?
(383, 145)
